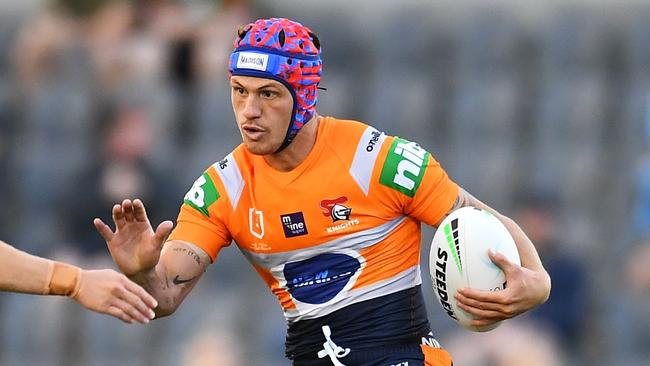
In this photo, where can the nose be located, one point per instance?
(252, 107)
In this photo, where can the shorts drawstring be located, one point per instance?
(331, 349)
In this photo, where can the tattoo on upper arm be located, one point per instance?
(457, 204)
(460, 202)
(464, 199)
(190, 253)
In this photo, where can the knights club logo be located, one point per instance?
(335, 209)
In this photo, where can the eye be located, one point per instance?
(239, 90)
(268, 94)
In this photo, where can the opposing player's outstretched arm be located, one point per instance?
(529, 285)
(104, 291)
(168, 271)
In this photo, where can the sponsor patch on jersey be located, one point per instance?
(319, 279)
(294, 224)
(375, 136)
(404, 166)
(223, 164)
(202, 194)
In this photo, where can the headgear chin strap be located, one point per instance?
(285, 51)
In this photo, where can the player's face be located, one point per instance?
(263, 111)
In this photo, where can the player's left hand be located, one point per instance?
(525, 290)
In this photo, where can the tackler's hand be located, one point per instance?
(108, 292)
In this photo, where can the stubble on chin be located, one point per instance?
(258, 148)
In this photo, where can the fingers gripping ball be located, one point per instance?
(459, 258)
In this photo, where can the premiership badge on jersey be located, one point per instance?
(256, 222)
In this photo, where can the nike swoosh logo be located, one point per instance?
(178, 281)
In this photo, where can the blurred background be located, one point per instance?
(539, 108)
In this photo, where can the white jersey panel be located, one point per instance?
(230, 175)
(365, 157)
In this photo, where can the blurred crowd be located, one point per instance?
(543, 112)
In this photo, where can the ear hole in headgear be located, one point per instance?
(241, 32)
(281, 37)
(315, 39)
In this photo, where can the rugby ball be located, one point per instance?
(459, 258)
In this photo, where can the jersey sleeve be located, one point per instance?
(414, 183)
(435, 196)
(201, 220)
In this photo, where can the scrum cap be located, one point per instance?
(285, 51)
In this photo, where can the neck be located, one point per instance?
(297, 151)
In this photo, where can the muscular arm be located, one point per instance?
(180, 266)
(104, 291)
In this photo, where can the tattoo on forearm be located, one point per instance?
(179, 281)
(190, 253)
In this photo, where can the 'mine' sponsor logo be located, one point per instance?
(294, 224)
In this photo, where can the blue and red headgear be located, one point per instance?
(285, 51)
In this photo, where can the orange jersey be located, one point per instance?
(341, 228)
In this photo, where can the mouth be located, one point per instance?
(253, 132)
